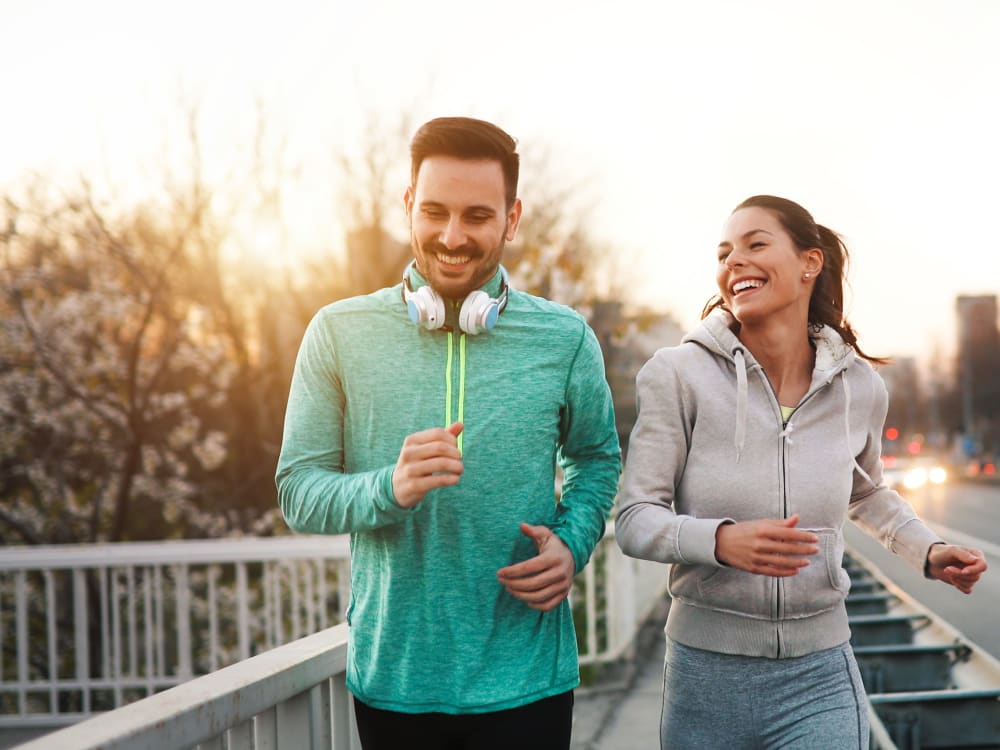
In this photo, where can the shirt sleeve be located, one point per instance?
(589, 454)
(315, 494)
(878, 510)
(648, 525)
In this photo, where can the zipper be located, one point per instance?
(779, 582)
(784, 514)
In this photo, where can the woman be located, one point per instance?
(755, 438)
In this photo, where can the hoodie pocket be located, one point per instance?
(822, 584)
(731, 590)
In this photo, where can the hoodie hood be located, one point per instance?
(833, 357)
(715, 333)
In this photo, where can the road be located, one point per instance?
(962, 513)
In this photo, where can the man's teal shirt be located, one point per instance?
(432, 629)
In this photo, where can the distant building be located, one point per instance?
(978, 367)
(907, 410)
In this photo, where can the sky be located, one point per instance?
(879, 116)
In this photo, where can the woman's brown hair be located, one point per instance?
(826, 305)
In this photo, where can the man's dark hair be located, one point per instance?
(466, 138)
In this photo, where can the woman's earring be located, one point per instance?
(807, 276)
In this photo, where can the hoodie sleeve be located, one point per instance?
(648, 525)
(589, 454)
(878, 510)
(314, 492)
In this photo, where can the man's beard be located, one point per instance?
(434, 247)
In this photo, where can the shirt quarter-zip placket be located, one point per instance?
(450, 377)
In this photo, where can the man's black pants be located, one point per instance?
(542, 725)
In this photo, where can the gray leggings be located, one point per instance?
(713, 701)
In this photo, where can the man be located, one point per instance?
(426, 420)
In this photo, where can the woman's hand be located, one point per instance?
(769, 547)
(961, 567)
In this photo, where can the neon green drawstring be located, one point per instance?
(461, 385)
(461, 391)
(447, 384)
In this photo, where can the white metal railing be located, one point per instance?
(290, 698)
(86, 628)
(612, 597)
(294, 590)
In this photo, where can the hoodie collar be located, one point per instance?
(715, 333)
(833, 357)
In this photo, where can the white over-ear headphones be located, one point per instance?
(479, 311)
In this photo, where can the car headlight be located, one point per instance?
(915, 478)
(937, 475)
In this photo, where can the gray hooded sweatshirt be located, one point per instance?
(709, 446)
